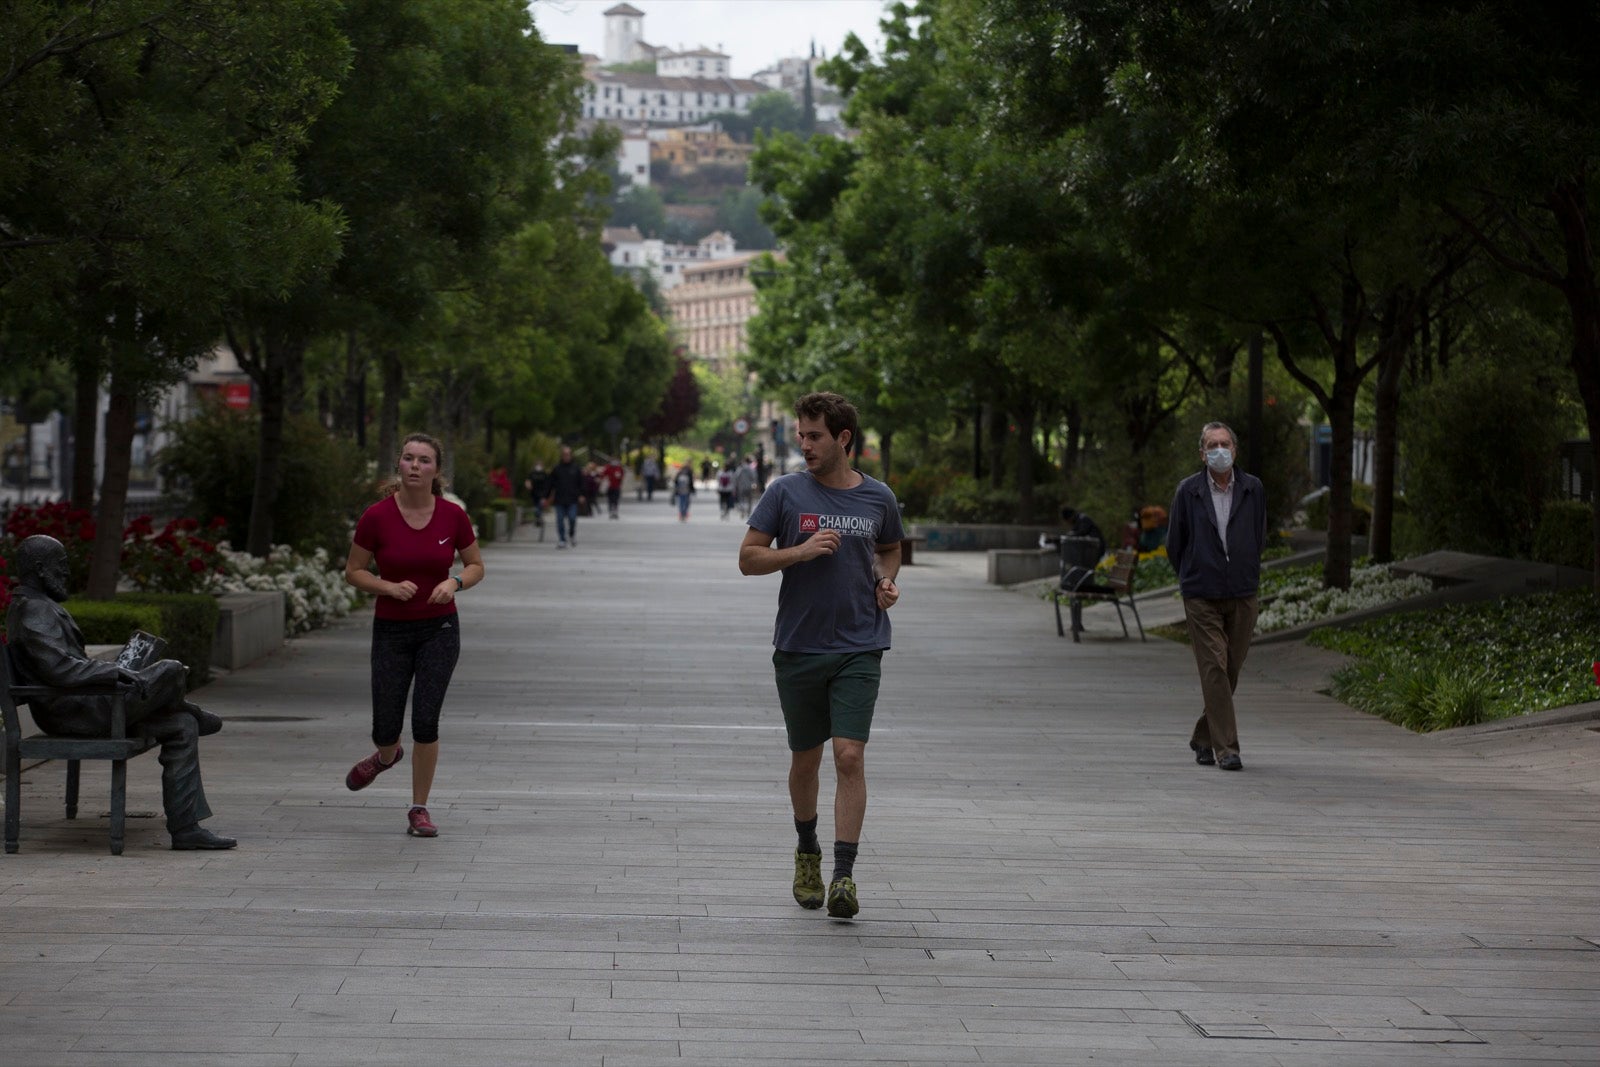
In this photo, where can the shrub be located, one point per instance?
(484, 521)
(323, 486)
(1482, 491)
(313, 587)
(1533, 652)
(967, 501)
(918, 486)
(188, 622)
(1419, 695)
(1565, 534)
(1360, 506)
(73, 527)
(177, 560)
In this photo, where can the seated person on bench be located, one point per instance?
(47, 649)
(1079, 574)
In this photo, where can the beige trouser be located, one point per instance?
(1219, 631)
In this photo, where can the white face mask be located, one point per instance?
(1219, 460)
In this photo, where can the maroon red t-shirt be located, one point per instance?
(422, 557)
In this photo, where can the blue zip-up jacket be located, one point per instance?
(1205, 571)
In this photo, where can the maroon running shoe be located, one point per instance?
(362, 774)
(419, 823)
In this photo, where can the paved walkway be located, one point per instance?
(1046, 877)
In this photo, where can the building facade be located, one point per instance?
(711, 306)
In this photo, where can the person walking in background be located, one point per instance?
(1216, 531)
(725, 488)
(611, 476)
(745, 480)
(837, 535)
(682, 490)
(650, 471)
(590, 500)
(537, 483)
(565, 492)
(414, 535)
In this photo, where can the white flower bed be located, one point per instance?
(313, 590)
(1306, 600)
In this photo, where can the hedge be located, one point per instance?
(188, 622)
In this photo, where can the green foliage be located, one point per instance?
(1360, 510)
(966, 500)
(188, 622)
(483, 519)
(211, 457)
(1473, 487)
(1421, 696)
(739, 213)
(641, 207)
(770, 112)
(917, 488)
(1510, 657)
(1565, 534)
(469, 479)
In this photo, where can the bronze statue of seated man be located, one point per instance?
(47, 649)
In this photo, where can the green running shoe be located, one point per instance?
(842, 898)
(808, 879)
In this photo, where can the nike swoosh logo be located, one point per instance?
(445, 539)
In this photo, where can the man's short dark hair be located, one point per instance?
(837, 413)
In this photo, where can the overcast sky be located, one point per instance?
(753, 32)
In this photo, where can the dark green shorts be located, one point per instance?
(827, 694)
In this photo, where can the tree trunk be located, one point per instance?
(886, 452)
(85, 428)
(1072, 447)
(1254, 446)
(105, 559)
(1570, 204)
(269, 455)
(1341, 510)
(997, 445)
(389, 413)
(977, 442)
(1025, 463)
(1394, 342)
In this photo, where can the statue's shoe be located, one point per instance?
(199, 839)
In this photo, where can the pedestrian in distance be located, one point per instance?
(565, 495)
(725, 488)
(414, 535)
(745, 481)
(611, 476)
(650, 471)
(537, 483)
(1217, 528)
(683, 490)
(835, 534)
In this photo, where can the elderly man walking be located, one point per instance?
(1217, 530)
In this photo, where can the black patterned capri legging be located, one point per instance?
(419, 651)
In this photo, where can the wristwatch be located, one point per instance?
(460, 585)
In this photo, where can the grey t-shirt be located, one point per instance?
(828, 604)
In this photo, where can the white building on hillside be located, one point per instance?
(629, 250)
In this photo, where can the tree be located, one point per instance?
(145, 183)
(445, 137)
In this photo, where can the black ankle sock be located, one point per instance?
(808, 836)
(844, 859)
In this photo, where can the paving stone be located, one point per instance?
(1046, 876)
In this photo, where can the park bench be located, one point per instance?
(118, 747)
(1079, 585)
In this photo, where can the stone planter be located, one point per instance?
(249, 626)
